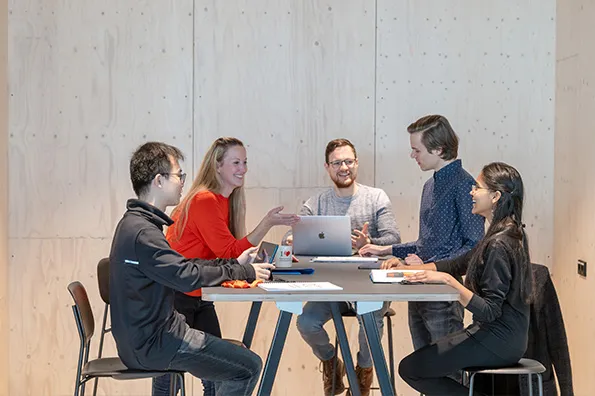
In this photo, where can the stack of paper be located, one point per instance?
(390, 276)
(298, 286)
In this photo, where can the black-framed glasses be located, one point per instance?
(349, 162)
(180, 174)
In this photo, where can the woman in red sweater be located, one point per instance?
(210, 223)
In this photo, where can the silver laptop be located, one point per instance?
(322, 236)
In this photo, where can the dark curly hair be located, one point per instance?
(150, 160)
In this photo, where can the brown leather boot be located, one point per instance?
(364, 378)
(327, 376)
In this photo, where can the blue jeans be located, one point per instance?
(431, 321)
(234, 370)
(311, 327)
(200, 315)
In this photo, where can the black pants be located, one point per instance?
(427, 369)
(199, 314)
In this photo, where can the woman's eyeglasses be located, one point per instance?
(475, 188)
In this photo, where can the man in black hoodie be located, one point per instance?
(145, 271)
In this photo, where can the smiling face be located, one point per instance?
(484, 200)
(427, 160)
(232, 169)
(342, 166)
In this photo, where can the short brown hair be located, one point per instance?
(335, 144)
(437, 134)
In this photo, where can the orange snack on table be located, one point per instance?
(241, 284)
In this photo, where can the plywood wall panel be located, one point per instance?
(573, 225)
(4, 317)
(286, 77)
(89, 83)
(44, 340)
(276, 76)
(489, 69)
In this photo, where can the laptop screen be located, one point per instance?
(322, 236)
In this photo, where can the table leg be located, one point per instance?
(345, 351)
(251, 323)
(274, 355)
(377, 353)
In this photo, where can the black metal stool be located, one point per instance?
(528, 367)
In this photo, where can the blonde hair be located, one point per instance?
(207, 180)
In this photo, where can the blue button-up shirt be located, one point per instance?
(447, 228)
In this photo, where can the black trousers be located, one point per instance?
(199, 314)
(427, 369)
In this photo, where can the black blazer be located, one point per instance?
(547, 343)
(547, 337)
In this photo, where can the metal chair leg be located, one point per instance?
(182, 384)
(85, 360)
(77, 384)
(173, 384)
(101, 338)
(530, 384)
(471, 382)
(540, 383)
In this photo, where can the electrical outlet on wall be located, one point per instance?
(582, 268)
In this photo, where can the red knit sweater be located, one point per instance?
(207, 235)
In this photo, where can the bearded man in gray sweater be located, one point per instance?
(372, 221)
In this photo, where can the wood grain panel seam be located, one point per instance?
(375, 84)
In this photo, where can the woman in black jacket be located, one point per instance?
(497, 290)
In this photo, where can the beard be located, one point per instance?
(344, 183)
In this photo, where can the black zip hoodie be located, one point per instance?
(144, 272)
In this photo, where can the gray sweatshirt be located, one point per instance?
(368, 204)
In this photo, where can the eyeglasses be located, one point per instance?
(349, 162)
(181, 176)
(475, 188)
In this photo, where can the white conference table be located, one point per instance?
(357, 287)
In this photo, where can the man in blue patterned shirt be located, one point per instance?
(447, 228)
